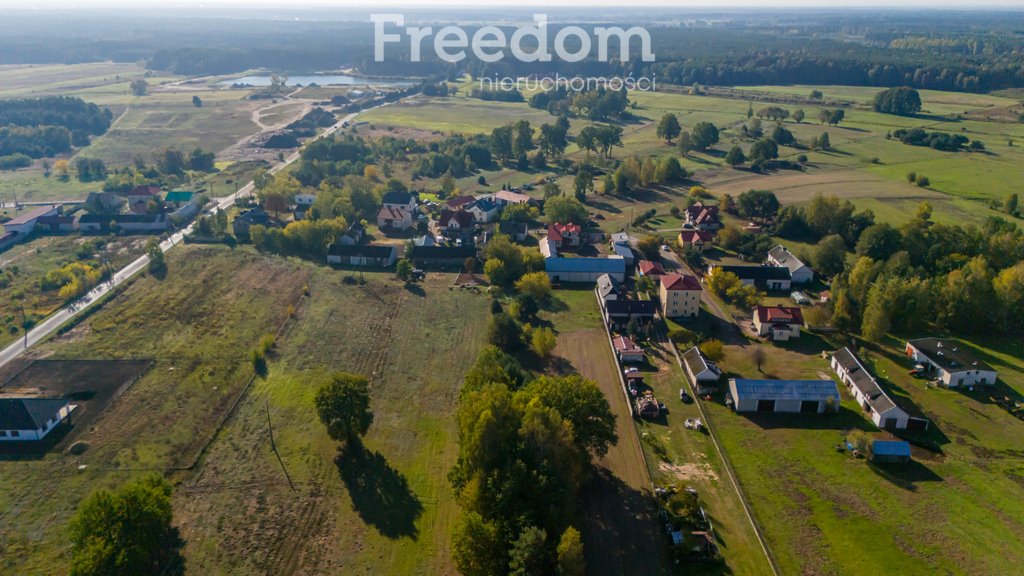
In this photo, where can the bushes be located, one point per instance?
(15, 161)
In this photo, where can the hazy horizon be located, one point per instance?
(937, 5)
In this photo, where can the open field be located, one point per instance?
(826, 512)
(387, 510)
(200, 341)
(25, 81)
(454, 114)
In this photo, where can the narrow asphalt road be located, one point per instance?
(57, 319)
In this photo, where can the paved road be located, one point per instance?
(57, 319)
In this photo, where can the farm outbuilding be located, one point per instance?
(584, 269)
(802, 396)
(890, 452)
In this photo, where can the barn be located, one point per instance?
(802, 396)
(584, 269)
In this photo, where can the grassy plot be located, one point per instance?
(26, 81)
(198, 324)
(23, 265)
(387, 510)
(825, 512)
(454, 114)
(169, 119)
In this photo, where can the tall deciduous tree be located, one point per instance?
(668, 127)
(343, 405)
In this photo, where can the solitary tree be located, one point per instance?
(343, 405)
(157, 263)
(139, 87)
(668, 127)
(799, 116)
(197, 101)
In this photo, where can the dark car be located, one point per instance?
(686, 398)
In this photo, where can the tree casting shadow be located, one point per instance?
(380, 494)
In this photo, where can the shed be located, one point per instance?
(890, 452)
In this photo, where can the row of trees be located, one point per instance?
(525, 447)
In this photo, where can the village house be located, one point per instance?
(29, 419)
(400, 201)
(703, 217)
(455, 224)
(140, 197)
(652, 270)
(153, 223)
(363, 255)
(507, 197)
(565, 235)
(484, 210)
(869, 394)
(799, 273)
(680, 295)
(56, 224)
(184, 204)
(353, 235)
(799, 396)
(761, 277)
(517, 231)
(25, 222)
(703, 373)
(441, 255)
(394, 219)
(607, 289)
(245, 220)
(778, 323)
(696, 239)
(950, 362)
(620, 312)
(626, 350)
(459, 202)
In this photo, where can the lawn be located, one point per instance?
(823, 511)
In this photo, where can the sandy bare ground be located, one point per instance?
(246, 148)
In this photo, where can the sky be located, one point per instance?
(363, 4)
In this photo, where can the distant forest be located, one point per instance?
(962, 51)
(43, 127)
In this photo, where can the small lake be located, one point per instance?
(320, 80)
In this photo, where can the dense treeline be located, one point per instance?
(44, 127)
(976, 51)
(966, 279)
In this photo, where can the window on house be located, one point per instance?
(15, 433)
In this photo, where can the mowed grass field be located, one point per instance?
(385, 512)
(825, 512)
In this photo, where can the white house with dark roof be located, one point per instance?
(951, 362)
(867, 392)
(28, 419)
(799, 273)
(703, 373)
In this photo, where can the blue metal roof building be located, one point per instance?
(561, 269)
(890, 451)
(805, 396)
